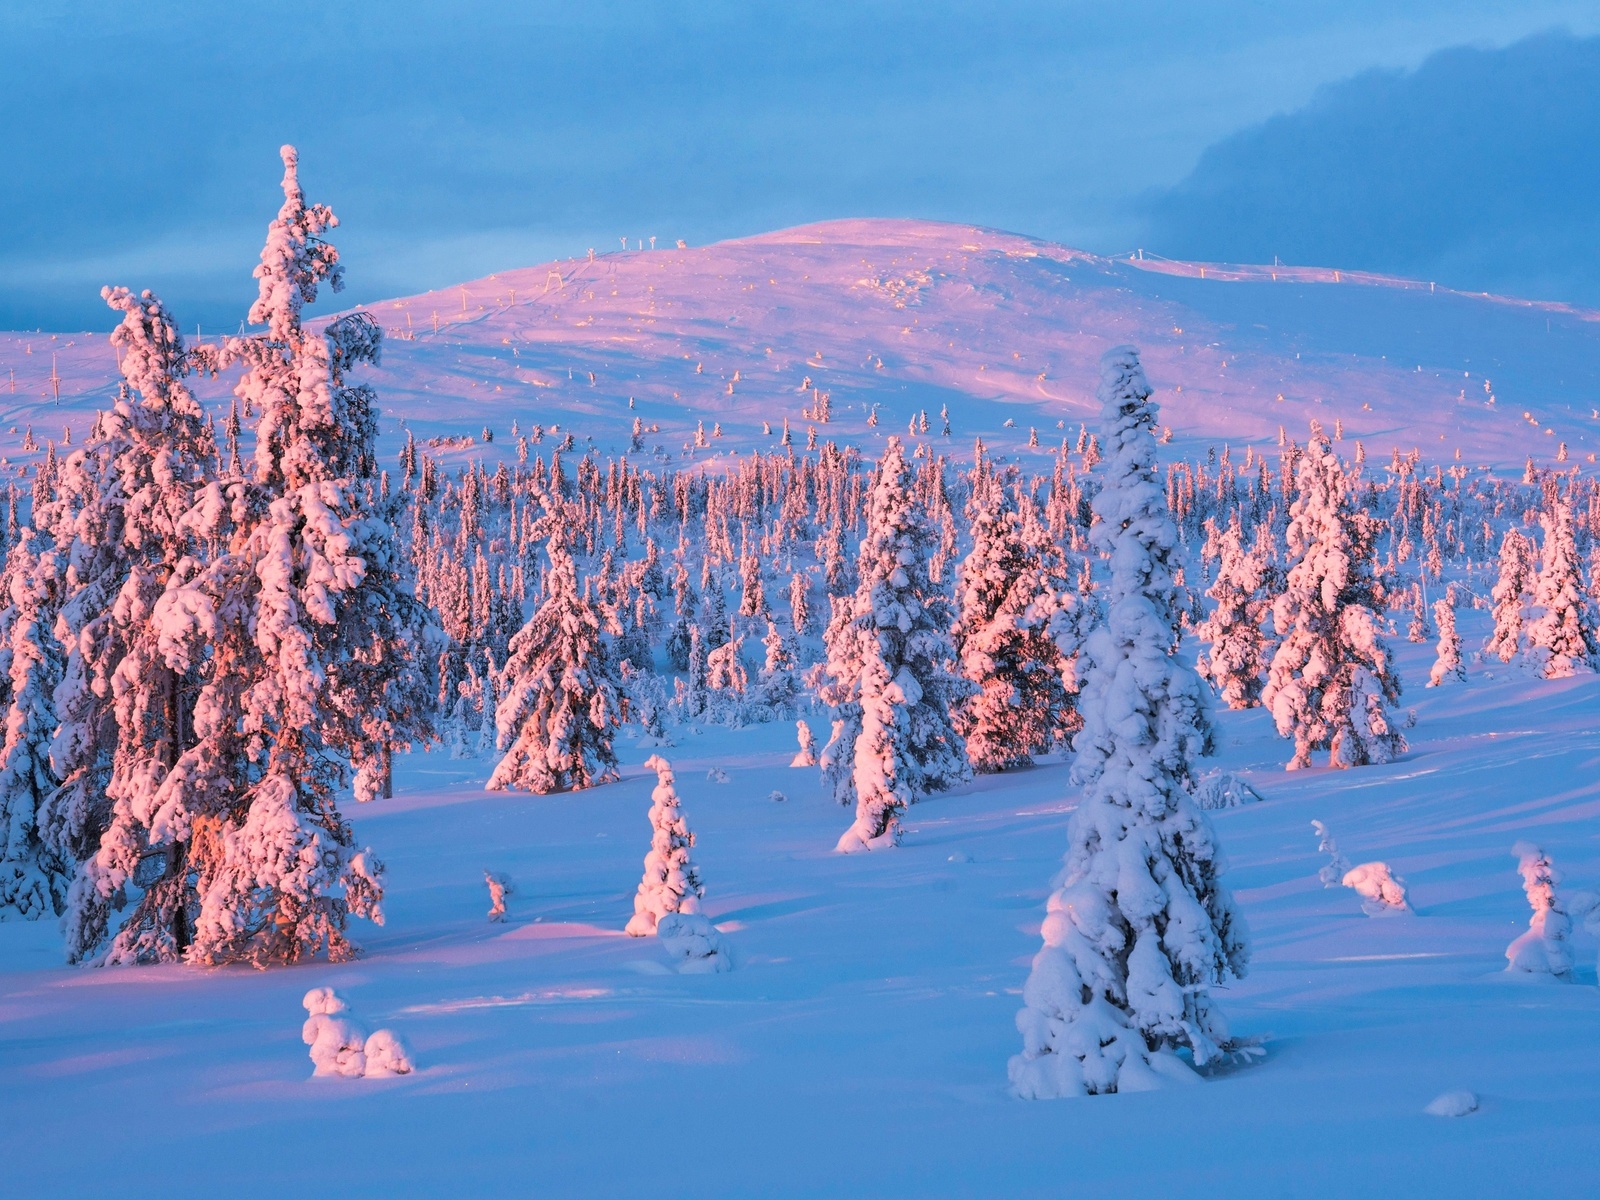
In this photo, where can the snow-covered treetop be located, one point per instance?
(1131, 500)
(295, 259)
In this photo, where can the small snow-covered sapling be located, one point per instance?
(499, 888)
(1542, 948)
(671, 883)
(806, 756)
(1331, 875)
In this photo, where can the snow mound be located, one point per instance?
(777, 797)
(1223, 789)
(694, 943)
(1383, 893)
(1453, 1104)
(717, 775)
(340, 1045)
(959, 857)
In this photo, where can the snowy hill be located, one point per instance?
(909, 317)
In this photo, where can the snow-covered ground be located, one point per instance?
(859, 1048)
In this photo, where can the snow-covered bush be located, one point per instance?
(671, 882)
(1382, 893)
(1543, 948)
(694, 943)
(340, 1045)
(1220, 789)
(1140, 924)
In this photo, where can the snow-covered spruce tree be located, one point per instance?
(671, 883)
(559, 705)
(1448, 663)
(1561, 639)
(294, 625)
(1332, 680)
(1001, 636)
(1516, 574)
(1237, 659)
(837, 682)
(33, 873)
(1140, 924)
(125, 711)
(907, 747)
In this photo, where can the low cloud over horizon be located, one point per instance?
(1479, 170)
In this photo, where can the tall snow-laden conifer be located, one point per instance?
(299, 595)
(1516, 573)
(1140, 924)
(33, 871)
(559, 701)
(126, 710)
(1561, 639)
(1237, 659)
(896, 663)
(1004, 601)
(1332, 681)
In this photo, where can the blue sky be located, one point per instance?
(456, 140)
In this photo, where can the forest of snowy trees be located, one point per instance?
(219, 629)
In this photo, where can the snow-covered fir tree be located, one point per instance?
(1447, 664)
(1516, 575)
(1002, 640)
(33, 871)
(1561, 639)
(126, 711)
(1141, 924)
(1332, 682)
(559, 709)
(671, 882)
(891, 657)
(314, 578)
(1237, 659)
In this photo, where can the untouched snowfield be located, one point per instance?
(859, 1048)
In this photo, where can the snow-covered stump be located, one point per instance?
(671, 883)
(340, 1044)
(1543, 948)
(1140, 925)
